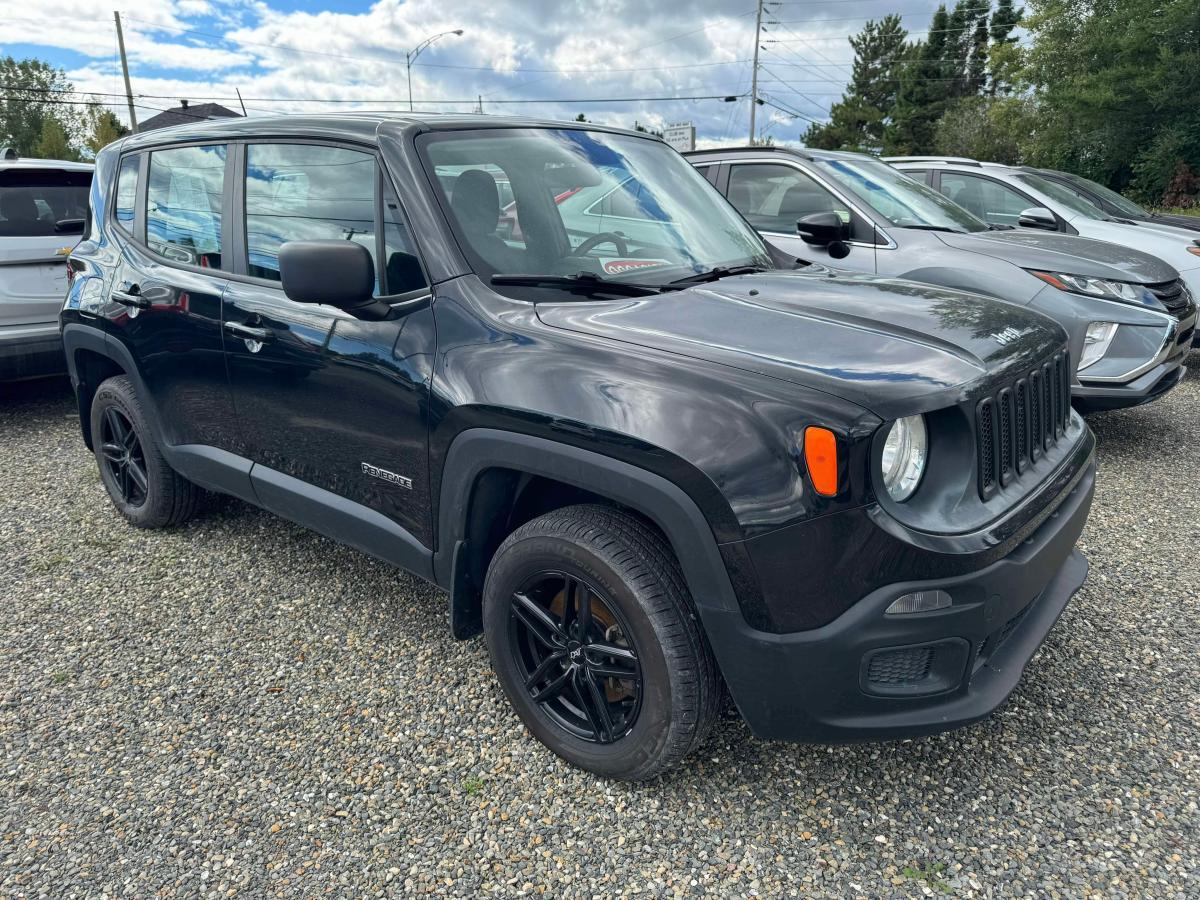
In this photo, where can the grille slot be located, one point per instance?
(1023, 420)
(900, 666)
(1173, 294)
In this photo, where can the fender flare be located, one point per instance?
(674, 512)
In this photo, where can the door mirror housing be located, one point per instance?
(336, 273)
(821, 228)
(1038, 217)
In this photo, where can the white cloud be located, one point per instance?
(545, 50)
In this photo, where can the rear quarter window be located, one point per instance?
(43, 202)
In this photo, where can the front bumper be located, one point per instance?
(870, 676)
(31, 351)
(1090, 398)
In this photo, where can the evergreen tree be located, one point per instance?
(54, 142)
(924, 89)
(858, 120)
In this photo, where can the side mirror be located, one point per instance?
(1038, 217)
(337, 273)
(821, 228)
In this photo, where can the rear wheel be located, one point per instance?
(140, 483)
(595, 641)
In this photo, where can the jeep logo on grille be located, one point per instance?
(384, 475)
(1007, 336)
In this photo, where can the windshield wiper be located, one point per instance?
(715, 274)
(935, 228)
(583, 283)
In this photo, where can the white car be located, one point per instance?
(43, 211)
(1023, 196)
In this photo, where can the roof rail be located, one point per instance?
(956, 160)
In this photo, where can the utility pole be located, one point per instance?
(125, 68)
(754, 71)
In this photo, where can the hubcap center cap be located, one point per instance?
(575, 651)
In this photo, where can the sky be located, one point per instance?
(615, 61)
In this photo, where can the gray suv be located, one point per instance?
(1129, 317)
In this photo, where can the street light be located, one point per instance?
(416, 51)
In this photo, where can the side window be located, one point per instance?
(183, 204)
(306, 192)
(402, 268)
(127, 177)
(921, 175)
(989, 200)
(772, 196)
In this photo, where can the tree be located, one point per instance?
(987, 128)
(1116, 86)
(103, 128)
(858, 120)
(54, 142)
(33, 91)
(1005, 59)
(924, 89)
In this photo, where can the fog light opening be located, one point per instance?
(918, 602)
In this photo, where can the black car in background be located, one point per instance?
(642, 457)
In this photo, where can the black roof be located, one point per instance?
(358, 125)
(187, 115)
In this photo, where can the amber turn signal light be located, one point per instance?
(820, 453)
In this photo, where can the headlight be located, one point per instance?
(904, 454)
(1095, 343)
(1092, 287)
(1194, 249)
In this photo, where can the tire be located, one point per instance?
(672, 691)
(166, 498)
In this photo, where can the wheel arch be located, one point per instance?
(494, 481)
(91, 360)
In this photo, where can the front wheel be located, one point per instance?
(595, 640)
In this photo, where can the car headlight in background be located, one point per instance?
(1095, 343)
(1194, 249)
(904, 453)
(1092, 287)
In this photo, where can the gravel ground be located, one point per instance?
(243, 706)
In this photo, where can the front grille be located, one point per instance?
(1174, 296)
(1021, 421)
(900, 666)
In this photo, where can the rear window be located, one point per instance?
(42, 203)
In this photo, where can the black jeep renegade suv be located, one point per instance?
(549, 369)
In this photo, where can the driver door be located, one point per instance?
(773, 196)
(325, 400)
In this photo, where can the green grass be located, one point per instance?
(1181, 211)
(930, 875)
(473, 785)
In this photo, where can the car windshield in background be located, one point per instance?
(1064, 195)
(570, 201)
(898, 198)
(43, 203)
(1123, 204)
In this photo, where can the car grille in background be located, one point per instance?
(1173, 294)
(1019, 423)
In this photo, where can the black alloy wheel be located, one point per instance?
(123, 455)
(575, 654)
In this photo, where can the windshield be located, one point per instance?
(1065, 196)
(570, 201)
(898, 198)
(1123, 204)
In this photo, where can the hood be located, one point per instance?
(1031, 249)
(891, 346)
(1162, 241)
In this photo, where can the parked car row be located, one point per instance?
(654, 445)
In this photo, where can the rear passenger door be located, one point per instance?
(163, 302)
(329, 406)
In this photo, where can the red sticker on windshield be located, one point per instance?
(617, 266)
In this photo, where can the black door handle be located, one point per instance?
(249, 332)
(132, 297)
